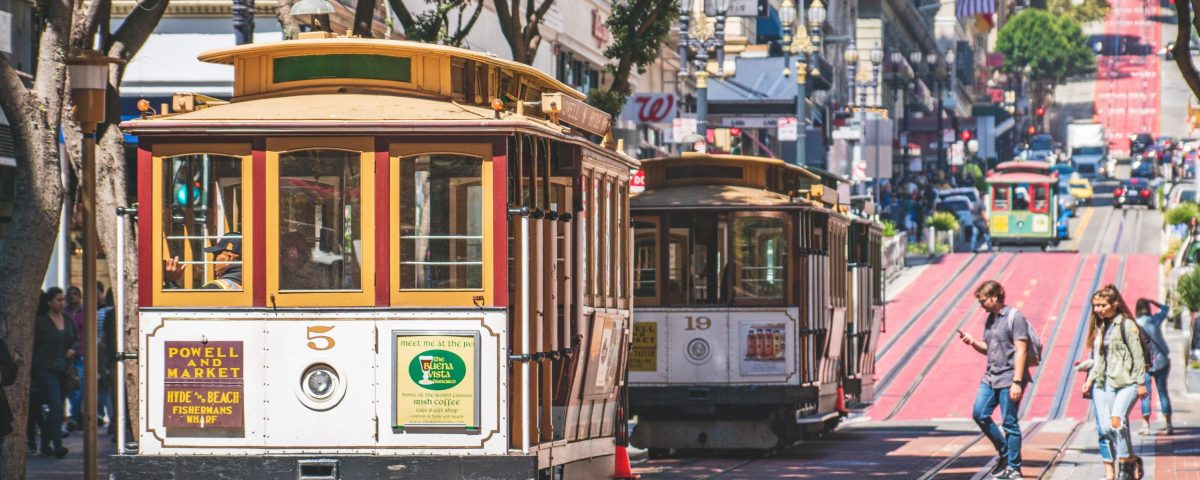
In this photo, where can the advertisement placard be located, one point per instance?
(763, 349)
(643, 357)
(437, 380)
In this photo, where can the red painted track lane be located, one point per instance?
(1127, 87)
(1035, 284)
(1056, 354)
(906, 374)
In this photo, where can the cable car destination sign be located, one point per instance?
(204, 385)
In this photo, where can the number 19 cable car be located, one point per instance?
(379, 259)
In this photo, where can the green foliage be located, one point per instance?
(1054, 48)
(941, 249)
(433, 25)
(889, 228)
(639, 29)
(1188, 290)
(943, 222)
(918, 248)
(1184, 213)
(1088, 11)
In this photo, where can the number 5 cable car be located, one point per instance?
(747, 307)
(380, 258)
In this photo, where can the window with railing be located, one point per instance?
(320, 220)
(760, 251)
(645, 259)
(999, 197)
(441, 222)
(202, 220)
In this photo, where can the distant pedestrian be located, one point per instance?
(53, 352)
(1005, 343)
(1160, 361)
(1117, 376)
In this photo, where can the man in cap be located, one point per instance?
(228, 269)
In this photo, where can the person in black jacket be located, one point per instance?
(53, 350)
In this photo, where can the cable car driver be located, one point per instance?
(228, 268)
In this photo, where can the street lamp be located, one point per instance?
(700, 39)
(897, 58)
(801, 45)
(317, 10)
(88, 72)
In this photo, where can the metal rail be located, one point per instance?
(928, 303)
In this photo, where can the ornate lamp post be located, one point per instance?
(697, 40)
(801, 45)
(851, 55)
(88, 75)
(898, 88)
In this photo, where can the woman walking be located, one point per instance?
(53, 351)
(1117, 377)
(1160, 361)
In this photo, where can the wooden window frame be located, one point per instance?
(198, 298)
(657, 299)
(363, 297)
(442, 297)
(735, 279)
(1007, 197)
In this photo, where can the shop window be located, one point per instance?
(320, 220)
(441, 222)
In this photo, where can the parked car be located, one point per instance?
(1181, 192)
(970, 193)
(1081, 189)
(1135, 191)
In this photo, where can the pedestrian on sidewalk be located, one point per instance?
(53, 352)
(1118, 375)
(1160, 361)
(1005, 343)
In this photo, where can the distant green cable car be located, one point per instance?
(1024, 208)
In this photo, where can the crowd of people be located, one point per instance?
(1127, 354)
(908, 201)
(59, 348)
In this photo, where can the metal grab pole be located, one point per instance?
(801, 105)
(119, 349)
(525, 347)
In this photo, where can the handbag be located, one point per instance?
(61, 365)
(70, 380)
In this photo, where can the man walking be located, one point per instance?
(1005, 343)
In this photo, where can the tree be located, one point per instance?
(1088, 11)
(522, 30)
(1052, 48)
(1183, 40)
(433, 26)
(639, 28)
(36, 112)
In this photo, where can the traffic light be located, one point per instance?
(966, 135)
(1032, 130)
(1041, 111)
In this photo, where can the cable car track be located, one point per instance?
(882, 384)
(941, 348)
(887, 346)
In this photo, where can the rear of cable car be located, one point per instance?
(357, 269)
(742, 291)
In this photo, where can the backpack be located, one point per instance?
(1033, 354)
(1144, 340)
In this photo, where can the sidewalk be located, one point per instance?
(70, 467)
(1175, 456)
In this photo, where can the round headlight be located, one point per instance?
(320, 381)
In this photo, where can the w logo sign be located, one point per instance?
(650, 108)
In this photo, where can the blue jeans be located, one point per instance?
(76, 395)
(1160, 384)
(1105, 445)
(1008, 444)
(50, 391)
(1115, 403)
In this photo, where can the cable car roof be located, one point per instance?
(690, 196)
(1020, 177)
(693, 156)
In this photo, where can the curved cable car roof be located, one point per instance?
(690, 196)
(1020, 177)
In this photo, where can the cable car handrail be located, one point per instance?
(444, 237)
(417, 262)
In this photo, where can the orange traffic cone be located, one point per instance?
(621, 469)
(841, 400)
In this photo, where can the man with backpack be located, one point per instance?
(1011, 348)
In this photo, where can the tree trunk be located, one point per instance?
(1182, 50)
(291, 28)
(364, 16)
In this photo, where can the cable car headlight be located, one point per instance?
(319, 382)
(320, 386)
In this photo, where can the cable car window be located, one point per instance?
(760, 244)
(999, 197)
(679, 238)
(1020, 197)
(645, 258)
(320, 224)
(441, 222)
(202, 221)
(709, 258)
(1041, 198)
